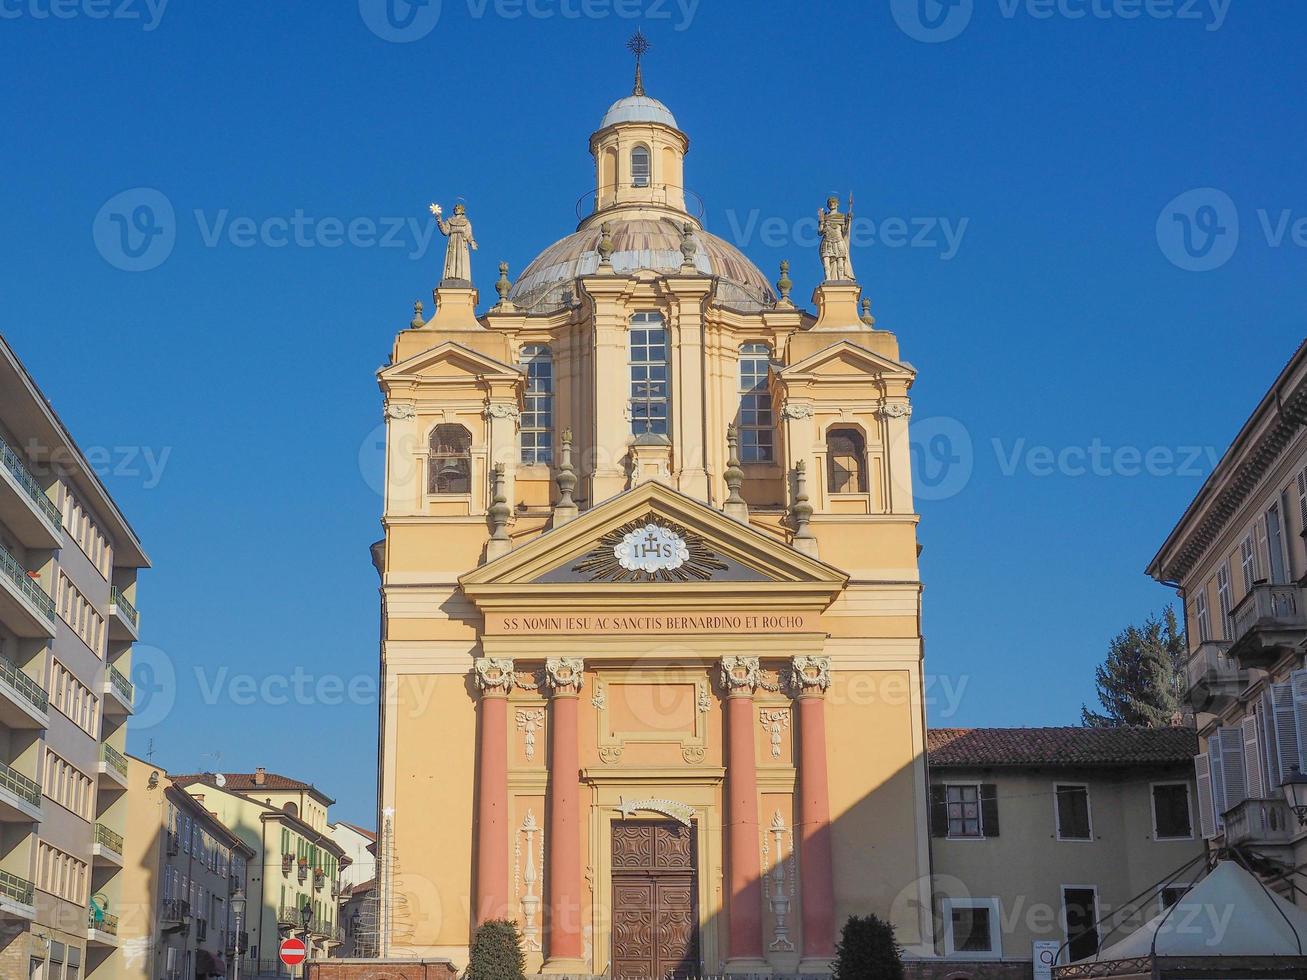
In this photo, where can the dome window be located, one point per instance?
(755, 404)
(538, 412)
(640, 167)
(648, 374)
(449, 465)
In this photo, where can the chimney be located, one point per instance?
(260, 776)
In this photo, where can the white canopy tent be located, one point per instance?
(1227, 925)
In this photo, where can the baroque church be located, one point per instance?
(651, 638)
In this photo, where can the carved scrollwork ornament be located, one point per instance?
(896, 410)
(500, 410)
(494, 674)
(796, 410)
(810, 673)
(401, 410)
(739, 673)
(565, 674)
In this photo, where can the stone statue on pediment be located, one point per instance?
(834, 228)
(458, 260)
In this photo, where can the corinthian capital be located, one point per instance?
(739, 674)
(810, 674)
(564, 674)
(494, 675)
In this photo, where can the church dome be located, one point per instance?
(638, 109)
(640, 243)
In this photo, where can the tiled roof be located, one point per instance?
(1059, 746)
(360, 830)
(246, 783)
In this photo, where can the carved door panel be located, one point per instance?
(655, 920)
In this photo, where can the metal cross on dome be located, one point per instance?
(638, 45)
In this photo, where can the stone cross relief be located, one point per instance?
(528, 878)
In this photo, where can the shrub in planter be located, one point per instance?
(496, 952)
(867, 950)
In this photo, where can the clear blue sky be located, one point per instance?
(1054, 141)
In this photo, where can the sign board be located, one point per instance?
(1045, 957)
(292, 952)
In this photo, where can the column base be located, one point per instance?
(816, 965)
(747, 965)
(572, 965)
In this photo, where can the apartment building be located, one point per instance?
(68, 619)
(185, 874)
(1238, 557)
(360, 846)
(294, 876)
(1038, 833)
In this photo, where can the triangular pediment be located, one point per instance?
(447, 360)
(847, 358)
(653, 540)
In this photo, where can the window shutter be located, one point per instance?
(1298, 688)
(1269, 752)
(939, 811)
(989, 809)
(1232, 770)
(1286, 728)
(1218, 780)
(1252, 758)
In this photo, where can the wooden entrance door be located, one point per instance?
(655, 881)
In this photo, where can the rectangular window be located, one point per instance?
(1073, 812)
(1275, 545)
(649, 374)
(1248, 562)
(1223, 599)
(971, 927)
(755, 404)
(537, 413)
(1080, 915)
(1171, 817)
(1202, 615)
(1172, 894)
(964, 811)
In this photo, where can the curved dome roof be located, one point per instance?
(640, 243)
(638, 108)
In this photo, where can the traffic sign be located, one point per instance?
(292, 952)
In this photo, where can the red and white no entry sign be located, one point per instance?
(292, 952)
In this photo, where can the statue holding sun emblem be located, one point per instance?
(458, 229)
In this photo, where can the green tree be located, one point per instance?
(867, 950)
(496, 952)
(1142, 681)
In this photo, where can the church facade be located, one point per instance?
(651, 638)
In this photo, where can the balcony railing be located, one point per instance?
(17, 467)
(289, 915)
(24, 685)
(107, 837)
(16, 573)
(20, 785)
(175, 911)
(102, 922)
(126, 608)
(1269, 619)
(121, 684)
(114, 759)
(1212, 673)
(1259, 822)
(15, 888)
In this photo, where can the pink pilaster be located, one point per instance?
(495, 678)
(744, 945)
(816, 879)
(565, 946)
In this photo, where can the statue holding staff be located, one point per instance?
(834, 229)
(458, 229)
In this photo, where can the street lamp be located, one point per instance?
(238, 913)
(306, 916)
(1295, 794)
